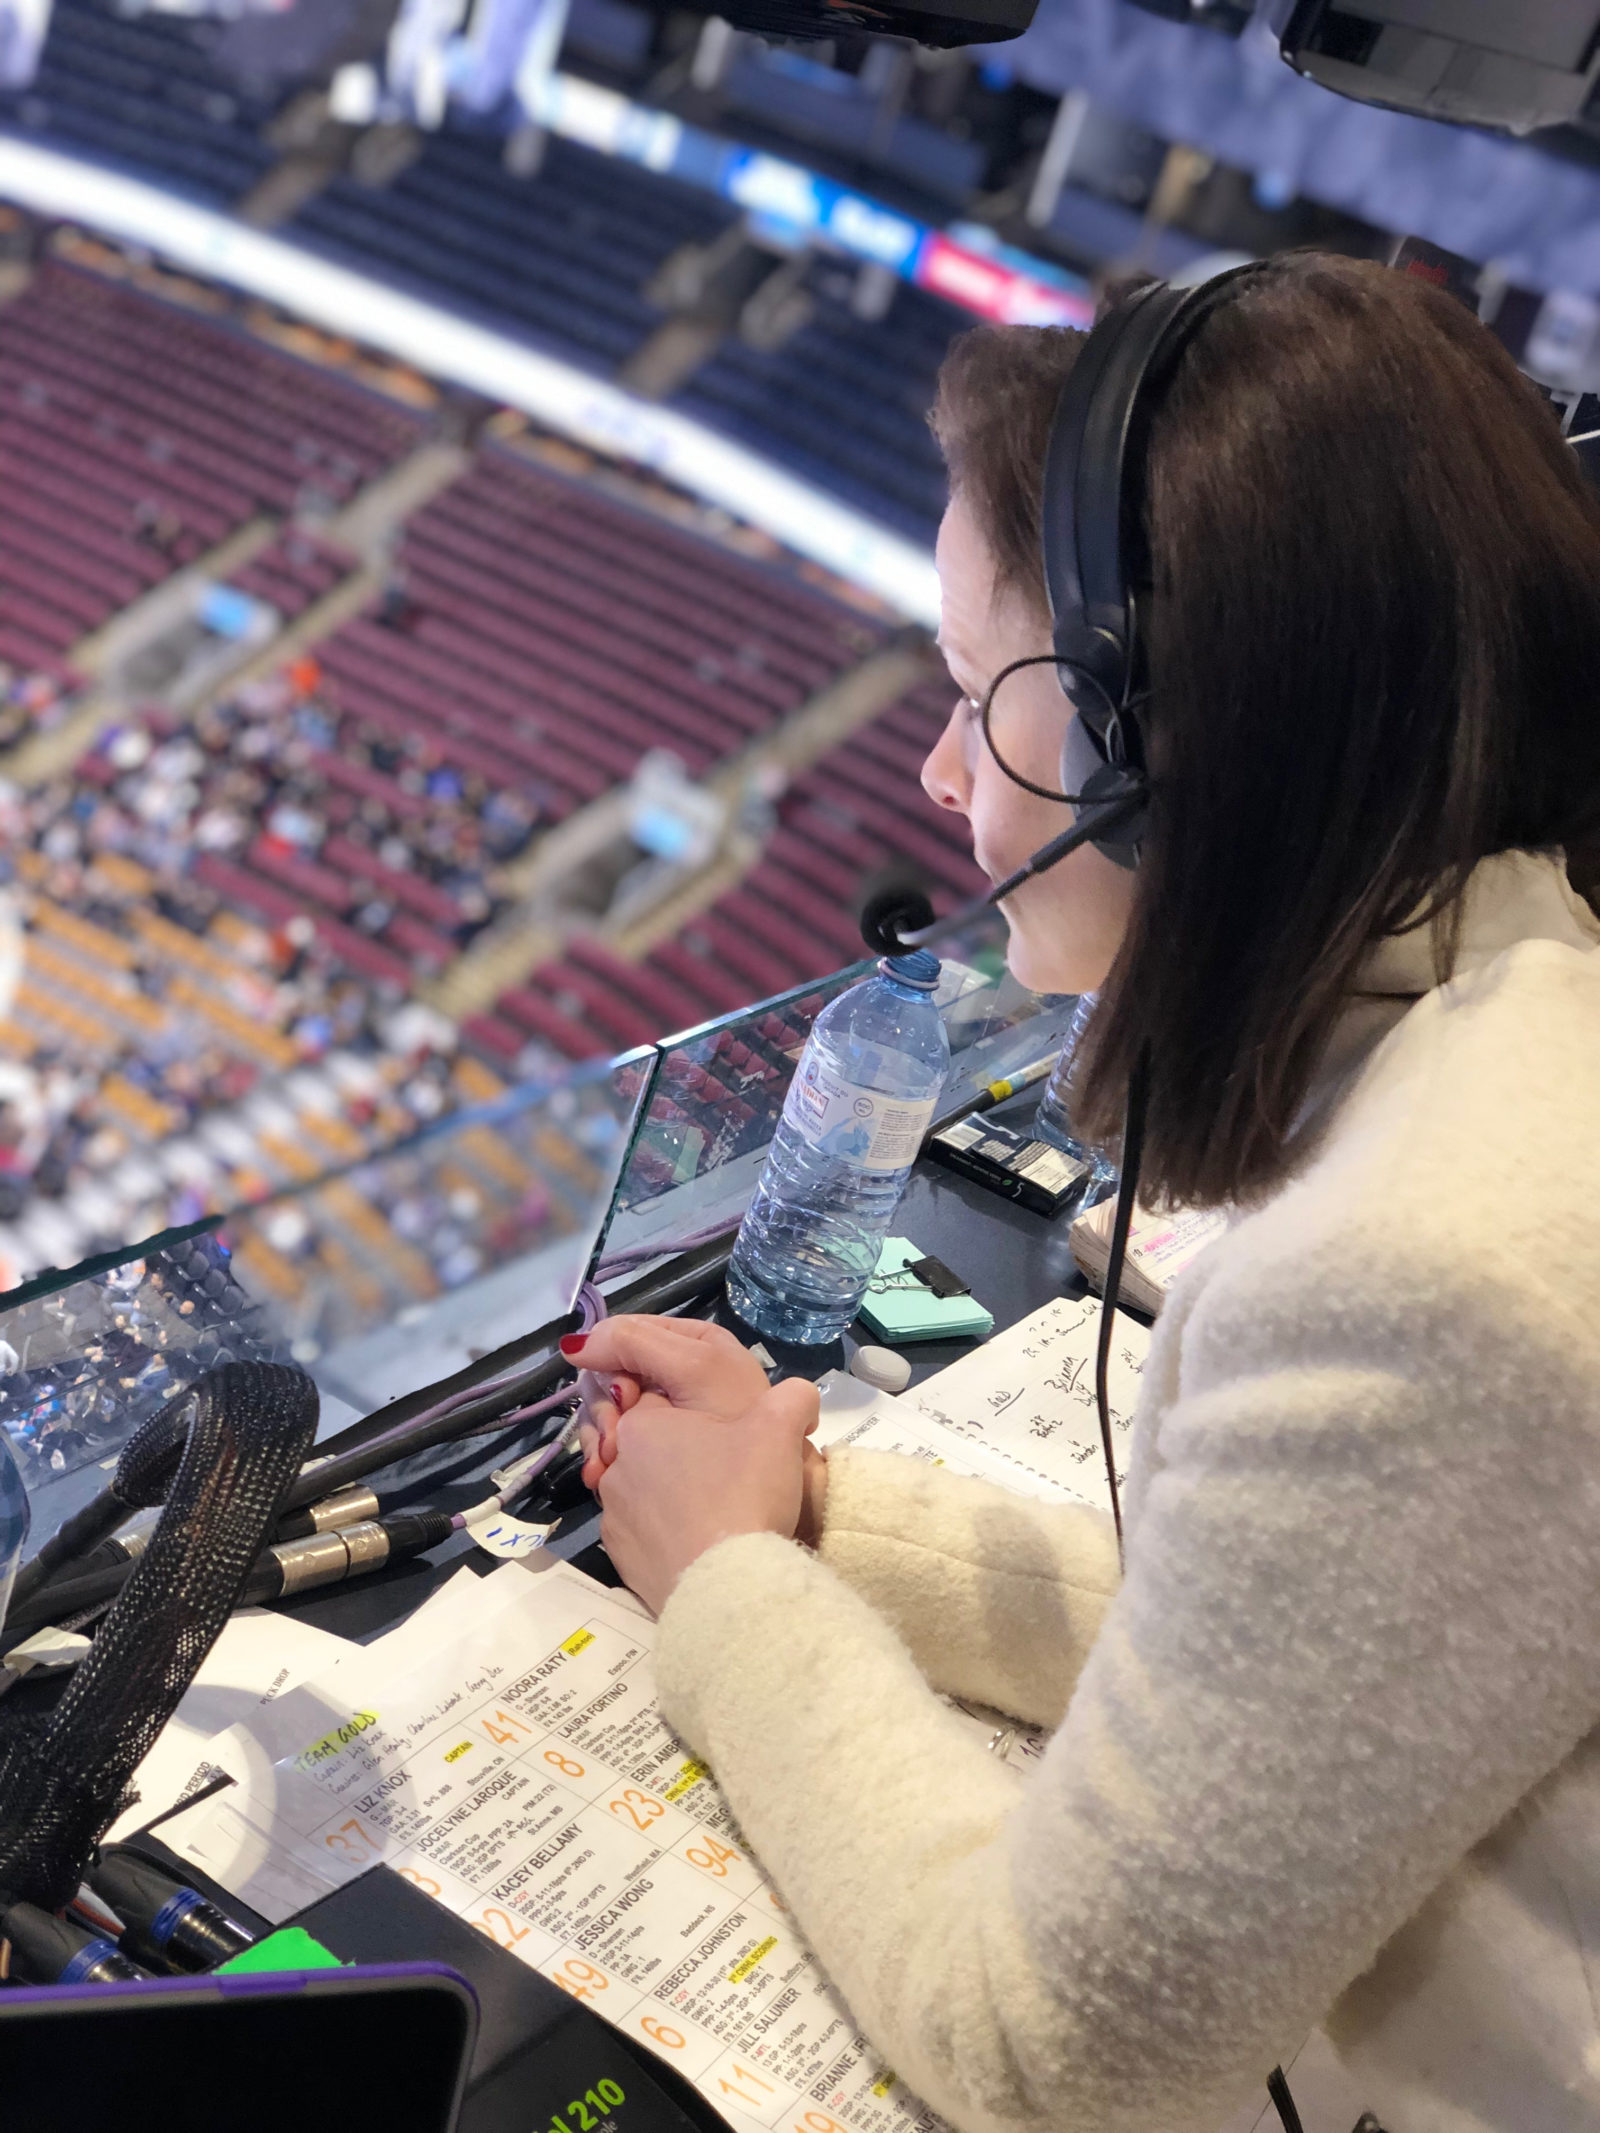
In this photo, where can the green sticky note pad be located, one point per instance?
(290, 1948)
(898, 1307)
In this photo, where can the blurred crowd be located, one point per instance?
(30, 702)
(257, 765)
(154, 1000)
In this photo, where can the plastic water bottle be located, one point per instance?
(13, 1520)
(863, 1096)
(1052, 1121)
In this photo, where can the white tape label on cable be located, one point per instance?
(499, 1535)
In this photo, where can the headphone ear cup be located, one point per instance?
(1081, 754)
(1085, 770)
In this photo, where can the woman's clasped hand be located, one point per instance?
(686, 1444)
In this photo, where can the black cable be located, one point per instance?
(368, 1446)
(284, 1568)
(64, 1596)
(76, 1538)
(1127, 1193)
(43, 1949)
(448, 1467)
(47, 1599)
(1283, 2102)
(337, 1472)
(218, 1457)
(145, 1467)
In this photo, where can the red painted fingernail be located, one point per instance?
(571, 1343)
(615, 1392)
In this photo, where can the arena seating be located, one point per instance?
(226, 917)
(233, 918)
(234, 1020)
(294, 573)
(134, 436)
(142, 93)
(843, 403)
(790, 919)
(544, 636)
(562, 257)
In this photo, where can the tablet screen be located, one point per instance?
(334, 2051)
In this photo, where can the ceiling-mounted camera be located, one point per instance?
(1473, 62)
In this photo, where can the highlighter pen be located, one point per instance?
(1023, 1078)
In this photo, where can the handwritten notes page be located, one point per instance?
(1026, 1399)
(522, 1774)
(1020, 1410)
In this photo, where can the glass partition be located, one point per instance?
(88, 1355)
(394, 1270)
(402, 1267)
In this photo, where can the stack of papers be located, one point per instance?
(504, 1749)
(512, 1761)
(1159, 1249)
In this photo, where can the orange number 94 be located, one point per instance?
(711, 1857)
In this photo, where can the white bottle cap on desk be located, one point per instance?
(882, 1368)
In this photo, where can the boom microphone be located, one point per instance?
(901, 918)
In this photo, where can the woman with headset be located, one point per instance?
(1327, 1746)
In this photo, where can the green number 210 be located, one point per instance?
(587, 2113)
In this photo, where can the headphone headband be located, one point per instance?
(1088, 466)
(1088, 533)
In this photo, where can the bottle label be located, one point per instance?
(863, 1127)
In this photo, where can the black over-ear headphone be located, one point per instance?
(1091, 560)
(1093, 545)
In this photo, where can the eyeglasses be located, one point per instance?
(1023, 722)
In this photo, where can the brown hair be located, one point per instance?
(1374, 659)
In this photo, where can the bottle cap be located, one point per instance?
(881, 1368)
(919, 968)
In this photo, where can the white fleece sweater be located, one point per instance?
(1326, 1753)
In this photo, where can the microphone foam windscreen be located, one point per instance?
(892, 902)
(890, 915)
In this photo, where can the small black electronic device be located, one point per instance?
(939, 23)
(253, 2053)
(942, 1280)
(1032, 1173)
(1514, 67)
